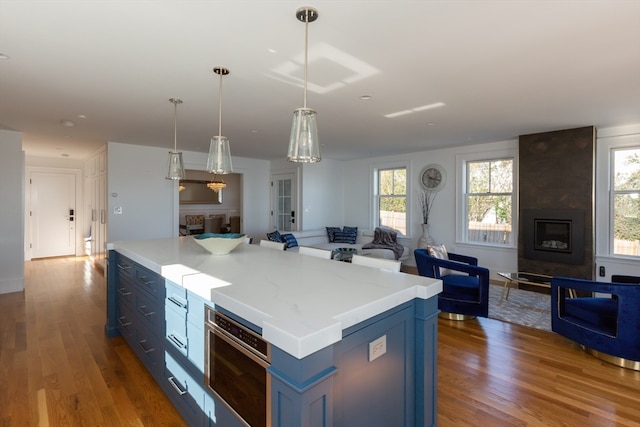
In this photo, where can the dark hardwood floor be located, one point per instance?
(57, 368)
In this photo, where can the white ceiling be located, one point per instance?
(502, 69)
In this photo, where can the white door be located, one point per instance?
(284, 202)
(53, 214)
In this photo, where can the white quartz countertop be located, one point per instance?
(301, 302)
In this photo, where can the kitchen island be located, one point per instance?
(324, 320)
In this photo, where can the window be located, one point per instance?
(625, 201)
(489, 201)
(391, 199)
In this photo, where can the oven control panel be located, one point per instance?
(242, 334)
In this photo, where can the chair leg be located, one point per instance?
(618, 361)
(455, 316)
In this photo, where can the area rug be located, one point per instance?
(525, 308)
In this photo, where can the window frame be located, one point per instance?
(612, 193)
(461, 197)
(375, 196)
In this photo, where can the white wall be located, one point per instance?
(11, 207)
(322, 200)
(358, 200)
(136, 183)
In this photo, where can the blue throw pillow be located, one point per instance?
(352, 230)
(275, 236)
(348, 236)
(331, 233)
(289, 240)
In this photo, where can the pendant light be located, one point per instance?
(216, 184)
(303, 142)
(219, 160)
(176, 165)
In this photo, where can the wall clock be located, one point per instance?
(433, 177)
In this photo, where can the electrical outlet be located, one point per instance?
(602, 272)
(377, 348)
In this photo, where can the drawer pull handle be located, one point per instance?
(178, 303)
(145, 313)
(145, 281)
(142, 343)
(123, 322)
(123, 266)
(177, 341)
(175, 385)
(124, 292)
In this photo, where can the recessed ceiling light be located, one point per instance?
(429, 106)
(416, 109)
(82, 116)
(272, 51)
(398, 114)
(67, 123)
(430, 124)
(3, 56)
(365, 97)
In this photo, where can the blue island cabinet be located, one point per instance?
(382, 372)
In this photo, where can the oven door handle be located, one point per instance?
(244, 349)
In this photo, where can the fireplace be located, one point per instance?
(555, 235)
(552, 235)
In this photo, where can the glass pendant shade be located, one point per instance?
(219, 160)
(303, 142)
(176, 166)
(304, 146)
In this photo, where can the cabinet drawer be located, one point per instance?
(149, 312)
(149, 282)
(176, 327)
(176, 298)
(125, 295)
(184, 391)
(125, 267)
(124, 322)
(149, 348)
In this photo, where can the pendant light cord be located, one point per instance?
(220, 108)
(306, 56)
(175, 127)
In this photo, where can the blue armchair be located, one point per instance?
(606, 327)
(465, 286)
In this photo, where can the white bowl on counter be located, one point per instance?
(219, 244)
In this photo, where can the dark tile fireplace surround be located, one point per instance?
(556, 185)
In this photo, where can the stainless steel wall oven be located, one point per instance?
(236, 372)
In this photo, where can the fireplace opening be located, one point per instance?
(552, 235)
